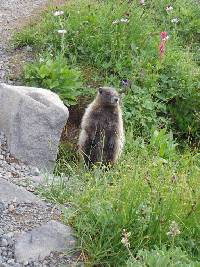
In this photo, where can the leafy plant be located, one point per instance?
(174, 257)
(164, 144)
(121, 42)
(54, 74)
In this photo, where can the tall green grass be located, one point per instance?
(152, 186)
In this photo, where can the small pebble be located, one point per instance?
(11, 261)
(35, 171)
(11, 208)
(4, 242)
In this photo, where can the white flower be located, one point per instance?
(142, 2)
(115, 21)
(169, 8)
(175, 20)
(125, 238)
(62, 31)
(173, 229)
(58, 13)
(166, 38)
(124, 20)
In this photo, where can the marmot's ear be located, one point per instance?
(100, 90)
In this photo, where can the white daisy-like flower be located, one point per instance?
(124, 20)
(169, 8)
(142, 2)
(58, 13)
(41, 60)
(62, 31)
(175, 20)
(115, 21)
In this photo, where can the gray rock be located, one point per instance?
(35, 171)
(9, 192)
(2, 207)
(41, 241)
(11, 261)
(4, 243)
(37, 180)
(34, 127)
(1, 232)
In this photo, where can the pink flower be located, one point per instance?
(164, 36)
(162, 47)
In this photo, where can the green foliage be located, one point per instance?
(140, 110)
(161, 92)
(173, 257)
(151, 186)
(54, 74)
(164, 144)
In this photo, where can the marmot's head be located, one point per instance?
(108, 96)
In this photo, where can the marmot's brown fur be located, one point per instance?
(101, 138)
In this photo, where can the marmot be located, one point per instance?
(102, 136)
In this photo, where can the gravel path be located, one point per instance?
(21, 212)
(13, 13)
(19, 216)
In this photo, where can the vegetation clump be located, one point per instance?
(145, 211)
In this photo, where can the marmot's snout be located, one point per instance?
(115, 100)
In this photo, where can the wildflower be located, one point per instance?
(144, 212)
(125, 238)
(41, 60)
(173, 229)
(58, 13)
(62, 32)
(169, 9)
(115, 21)
(124, 20)
(175, 20)
(162, 49)
(125, 82)
(142, 2)
(164, 37)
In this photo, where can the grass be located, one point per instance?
(145, 211)
(152, 186)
